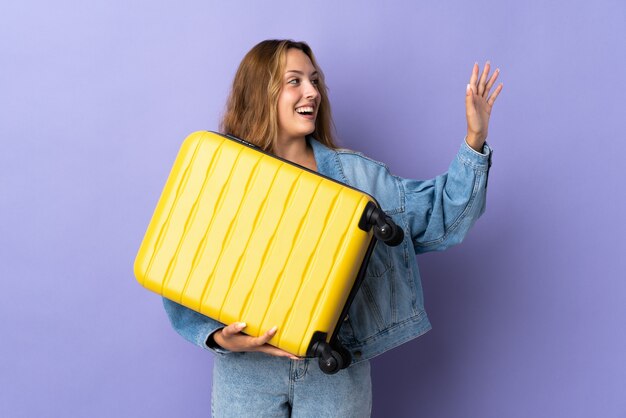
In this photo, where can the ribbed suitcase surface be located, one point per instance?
(239, 235)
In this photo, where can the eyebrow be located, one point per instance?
(300, 72)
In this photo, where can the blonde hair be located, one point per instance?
(252, 107)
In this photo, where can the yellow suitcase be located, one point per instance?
(241, 235)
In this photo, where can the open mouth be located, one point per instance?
(305, 110)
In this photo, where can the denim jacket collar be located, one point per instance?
(327, 160)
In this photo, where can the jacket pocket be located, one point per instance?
(372, 309)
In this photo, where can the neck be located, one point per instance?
(297, 151)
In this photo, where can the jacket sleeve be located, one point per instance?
(193, 326)
(439, 212)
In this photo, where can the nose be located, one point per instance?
(311, 91)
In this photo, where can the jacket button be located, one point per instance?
(357, 354)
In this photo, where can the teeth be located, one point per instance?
(305, 109)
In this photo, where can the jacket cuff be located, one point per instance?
(477, 160)
(213, 346)
(193, 326)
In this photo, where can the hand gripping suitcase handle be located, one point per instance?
(385, 229)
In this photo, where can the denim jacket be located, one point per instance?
(388, 310)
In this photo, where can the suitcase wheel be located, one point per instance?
(385, 229)
(332, 360)
(331, 363)
(390, 233)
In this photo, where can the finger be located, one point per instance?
(232, 329)
(263, 339)
(469, 100)
(483, 79)
(492, 80)
(495, 94)
(474, 77)
(271, 350)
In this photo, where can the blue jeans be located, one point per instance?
(260, 385)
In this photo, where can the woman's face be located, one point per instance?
(299, 98)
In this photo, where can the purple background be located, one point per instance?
(529, 313)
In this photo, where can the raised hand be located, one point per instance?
(478, 105)
(231, 338)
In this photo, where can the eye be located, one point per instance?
(315, 82)
(293, 81)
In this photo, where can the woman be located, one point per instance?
(279, 102)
